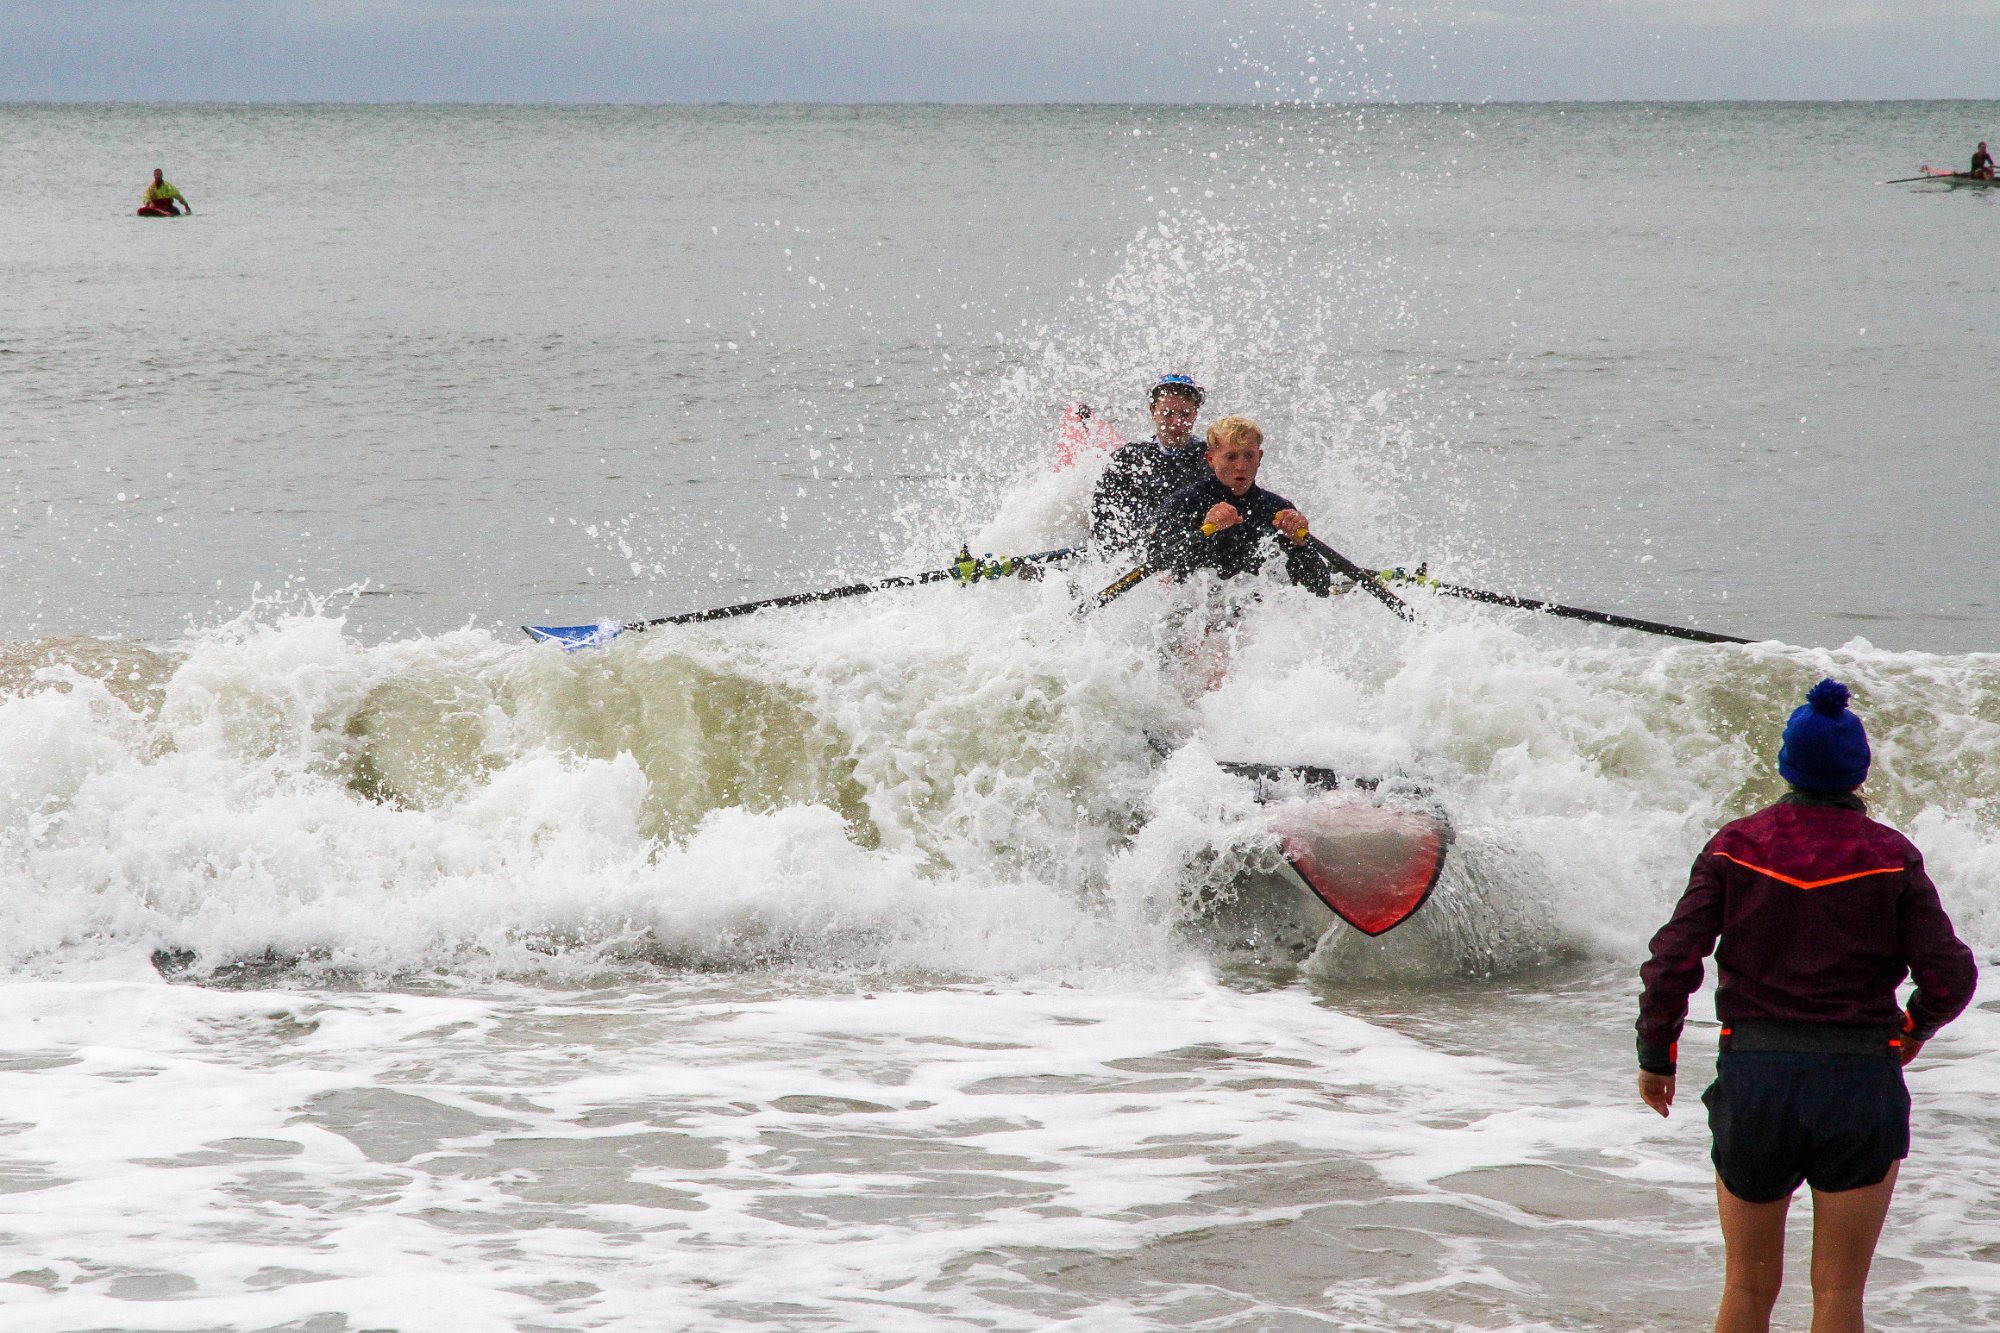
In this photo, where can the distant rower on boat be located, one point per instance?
(1982, 163)
(1231, 525)
(1144, 474)
(161, 198)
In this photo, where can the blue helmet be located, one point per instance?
(1183, 385)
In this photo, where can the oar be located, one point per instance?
(1568, 612)
(966, 569)
(1118, 587)
(1905, 180)
(1310, 774)
(1367, 582)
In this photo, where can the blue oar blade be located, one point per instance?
(574, 637)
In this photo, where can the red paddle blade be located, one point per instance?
(1082, 431)
(1373, 865)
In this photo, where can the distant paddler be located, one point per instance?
(1982, 163)
(1230, 525)
(161, 198)
(1146, 473)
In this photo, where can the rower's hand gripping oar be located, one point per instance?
(1366, 581)
(968, 568)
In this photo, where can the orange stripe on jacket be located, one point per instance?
(1809, 883)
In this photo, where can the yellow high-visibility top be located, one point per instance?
(156, 194)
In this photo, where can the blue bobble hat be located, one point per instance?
(1180, 384)
(1826, 748)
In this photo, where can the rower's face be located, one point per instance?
(1173, 417)
(1235, 465)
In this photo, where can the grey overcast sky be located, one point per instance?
(993, 50)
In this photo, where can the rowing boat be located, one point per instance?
(1955, 179)
(1363, 850)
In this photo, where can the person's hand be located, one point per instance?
(1292, 523)
(1657, 1091)
(1221, 516)
(1910, 1049)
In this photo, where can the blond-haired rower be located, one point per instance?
(1231, 525)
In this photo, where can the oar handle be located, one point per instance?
(1124, 583)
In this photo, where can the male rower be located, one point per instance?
(161, 196)
(1143, 474)
(1231, 525)
(1982, 164)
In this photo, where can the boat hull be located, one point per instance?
(1369, 865)
(1356, 852)
(1960, 180)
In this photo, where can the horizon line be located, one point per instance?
(788, 103)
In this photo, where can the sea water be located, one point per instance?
(842, 967)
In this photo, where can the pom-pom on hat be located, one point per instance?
(1825, 747)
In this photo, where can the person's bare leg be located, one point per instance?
(1846, 1226)
(1753, 1246)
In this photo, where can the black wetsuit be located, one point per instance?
(1982, 164)
(1139, 479)
(1177, 545)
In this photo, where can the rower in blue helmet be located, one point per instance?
(1142, 475)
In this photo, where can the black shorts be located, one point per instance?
(1836, 1122)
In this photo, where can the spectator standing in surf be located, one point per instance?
(1142, 475)
(1229, 524)
(1821, 913)
(161, 196)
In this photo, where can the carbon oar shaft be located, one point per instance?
(1364, 580)
(1582, 613)
(833, 594)
(1123, 584)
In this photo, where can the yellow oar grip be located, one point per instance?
(1208, 529)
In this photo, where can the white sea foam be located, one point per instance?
(698, 1153)
(944, 778)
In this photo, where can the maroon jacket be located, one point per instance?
(1822, 912)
